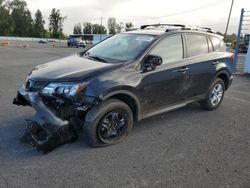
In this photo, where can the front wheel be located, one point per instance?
(108, 123)
(214, 96)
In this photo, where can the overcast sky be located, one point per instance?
(211, 13)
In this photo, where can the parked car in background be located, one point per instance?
(42, 42)
(52, 40)
(243, 47)
(123, 79)
(76, 42)
(228, 44)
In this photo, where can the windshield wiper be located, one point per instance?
(98, 58)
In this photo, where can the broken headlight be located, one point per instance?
(63, 89)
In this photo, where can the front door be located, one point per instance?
(169, 82)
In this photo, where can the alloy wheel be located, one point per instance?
(112, 127)
(217, 94)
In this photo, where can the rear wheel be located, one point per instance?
(214, 96)
(108, 123)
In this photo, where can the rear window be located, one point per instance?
(216, 43)
(197, 45)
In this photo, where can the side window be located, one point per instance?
(223, 46)
(196, 45)
(210, 46)
(216, 43)
(170, 49)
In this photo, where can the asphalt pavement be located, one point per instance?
(187, 147)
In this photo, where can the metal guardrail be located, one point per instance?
(96, 38)
(28, 39)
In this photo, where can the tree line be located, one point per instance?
(112, 27)
(228, 38)
(16, 20)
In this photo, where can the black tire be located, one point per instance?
(207, 104)
(96, 115)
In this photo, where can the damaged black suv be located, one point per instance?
(123, 79)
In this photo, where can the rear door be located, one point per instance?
(201, 61)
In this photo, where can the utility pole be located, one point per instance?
(101, 30)
(229, 16)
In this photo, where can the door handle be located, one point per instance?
(215, 62)
(183, 69)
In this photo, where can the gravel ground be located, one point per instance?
(188, 147)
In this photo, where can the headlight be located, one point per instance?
(64, 89)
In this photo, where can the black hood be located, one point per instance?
(71, 68)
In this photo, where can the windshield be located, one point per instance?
(120, 48)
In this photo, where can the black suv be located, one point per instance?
(126, 78)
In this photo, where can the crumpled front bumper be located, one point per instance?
(47, 131)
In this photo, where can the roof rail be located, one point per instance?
(158, 25)
(171, 27)
(209, 30)
(206, 29)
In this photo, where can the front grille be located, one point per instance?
(34, 86)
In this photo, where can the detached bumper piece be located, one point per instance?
(46, 138)
(20, 100)
(45, 131)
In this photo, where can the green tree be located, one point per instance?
(21, 17)
(87, 28)
(119, 27)
(39, 22)
(112, 25)
(56, 24)
(77, 29)
(6, 24)
(129, 25)
(230, 38)
(99, 29)
(12, 4)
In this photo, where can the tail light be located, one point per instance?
(231, 56)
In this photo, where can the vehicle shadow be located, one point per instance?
(171, 116)
(12, 146)
(12, 131)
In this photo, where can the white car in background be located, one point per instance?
(76, 42)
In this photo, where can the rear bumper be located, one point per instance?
(46, 129)
(230, 80)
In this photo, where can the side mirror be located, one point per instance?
(82, 53)
(150, 62)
